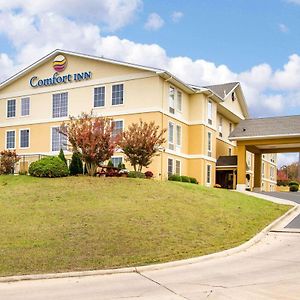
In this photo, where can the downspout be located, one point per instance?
(162, 124)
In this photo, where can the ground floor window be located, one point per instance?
(10, 139)
(117, 160)
(59, 141)
(24, 138)
(170, 166)
(208, 174)
(178, 167)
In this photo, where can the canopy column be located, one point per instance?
(241, 170)
(257, 171)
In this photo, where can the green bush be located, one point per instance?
(50, 166)
(185, 179)
(61, 155)
(294, 188)
(76, 164)
(174, 178)
(135, 174)
(121, 166)
(193, 180)
(294, 183)
(110, 164)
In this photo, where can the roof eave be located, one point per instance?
(262, 137)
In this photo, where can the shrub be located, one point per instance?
(61, 155)
(185, 179)
(76, 164)
(193, 180)
(110, 163)
(282, 182)
(50, 166)
(175, 178)
(22, 172)
(7, 161)
(121, 166)
(294, 188)
(136, 174)
(149, 174)
(293, 183)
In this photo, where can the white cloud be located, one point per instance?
(154, 22)
(268, 92)
(287, 158)
(113, 14)
(176, 16)
(293, 1)
(283, 28)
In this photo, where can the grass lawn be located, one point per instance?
(82, 223)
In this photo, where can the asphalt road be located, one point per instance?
(267, 270)
(292, 196)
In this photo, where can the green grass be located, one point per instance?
(82, 223)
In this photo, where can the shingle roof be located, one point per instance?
(227, 161)
(222, 90)
(264, 127)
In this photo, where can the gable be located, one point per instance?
(74, 70)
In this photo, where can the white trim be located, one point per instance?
(5, 137)
(121, 104)
(232, 166)
(93, 97)
(6, 113)
(191, 156)
(173, 140)
(226, 141)
(116, 156)
(269, 180)
(29, 133)
(178, 145)
(24, 98)
(180, 168)
(258, 137)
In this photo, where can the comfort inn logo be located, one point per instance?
(59, 63)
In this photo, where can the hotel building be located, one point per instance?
(198, 120)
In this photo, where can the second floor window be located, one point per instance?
(99, 96)
(171, 136)
(118, 127)
(25, 106)
(209, 144)
(11, 108)
(209, 112)
(117, 94)
(178, 136)
(60, 105)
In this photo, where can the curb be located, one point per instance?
(254, 240)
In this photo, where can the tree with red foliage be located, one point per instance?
(141, 142)
(7, 161)
(91, 136)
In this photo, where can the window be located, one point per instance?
(59, 141)
(25, 106)
(171, 136)
(209, 145)
(60, 105)
(118, 127)
(99, 96)
(24, 138)
(233, 96)
(178, 136)
(170, 166)
(117, 94)
(230, 128)
(178, 167)
(209, 112)
(220, 126)
(11, 108)
(10, 139)
(179, 101)
(172, 100)
(229, 151)
(117, 160)
(263, 170)
(208, 174)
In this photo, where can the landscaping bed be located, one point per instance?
(82, 223)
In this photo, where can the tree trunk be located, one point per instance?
(91, 168)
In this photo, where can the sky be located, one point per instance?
(202, 42)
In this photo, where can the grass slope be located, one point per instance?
(55, 225)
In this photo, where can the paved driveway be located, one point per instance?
(268, 270)
(292, 196)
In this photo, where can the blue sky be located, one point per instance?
(202, 42)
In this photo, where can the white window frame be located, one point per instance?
(175, 166)
(56, 151)
(119, 120)
(22, 100)
(209, 143)
(7, 101)
(23, 129)
(220, 126)
(208, 178)
(263, 170)
(178, 141)
(170, 159)
(105, 96)
(13, 130)
(123, 100)
(209, 112)
(179, 103)
(55, 94)
(172, 100)
(117, 157)
(171, 144)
